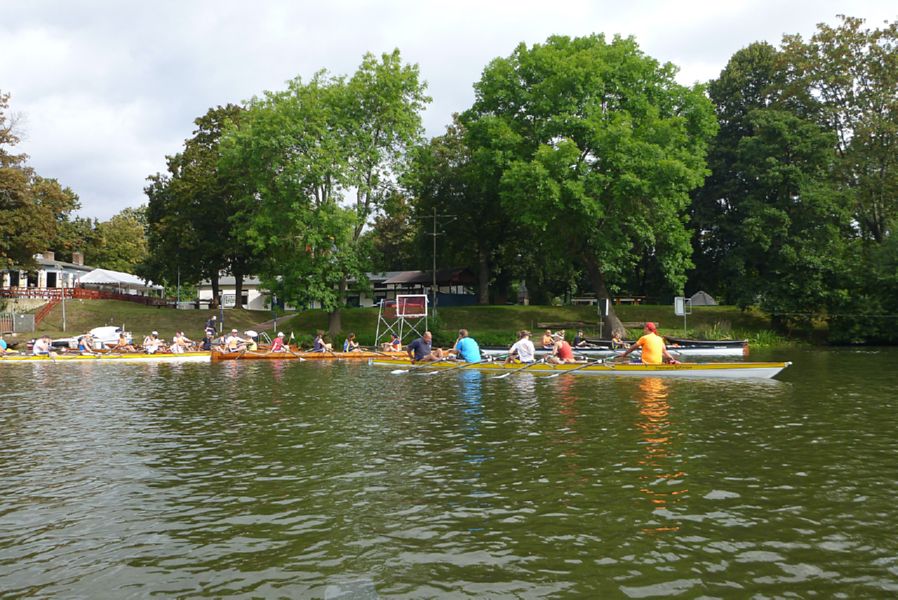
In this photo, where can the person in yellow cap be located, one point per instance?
(654, 352)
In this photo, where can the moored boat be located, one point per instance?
(127, 357)
(728, 370)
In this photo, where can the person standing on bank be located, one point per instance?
(466, 347)
(654, 352)
(421, 350)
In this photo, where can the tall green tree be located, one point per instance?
(771, 196)
(32, 208)
(850, 73)
(121, 242)
(321, 158)
(597, 148)
(196, 212)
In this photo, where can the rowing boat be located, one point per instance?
(729, 370)
(127, 357)
(266, 355)
(679, 347)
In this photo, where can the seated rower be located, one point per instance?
(180, 343)
(152, 344)
(579, 340)
(123, 345)
(394, 345)
(421, 350)
(654, 352)
(548, 341)
(249, 343)
(319, 345)
(562, 353)
(522, 350)
(42, 346)
(233, 342)
(466, 348)
(86, 344)
(350, 345)
(277, 344)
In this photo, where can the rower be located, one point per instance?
(562, 353)
(277, 344)
(350, 345)
(466, 347)
(152, 344)
(421, 350)
(654, 352)
(522, 350)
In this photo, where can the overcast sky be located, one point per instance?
(104, 89)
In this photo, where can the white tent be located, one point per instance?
(117, 279)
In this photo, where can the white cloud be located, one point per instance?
(108, 88)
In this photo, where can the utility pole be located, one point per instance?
(436, 217)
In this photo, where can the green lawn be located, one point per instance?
(83, 315)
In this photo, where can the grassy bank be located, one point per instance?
(487, 324)
(83, 315)
(496, 325)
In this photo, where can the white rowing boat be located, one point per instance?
(732, 370)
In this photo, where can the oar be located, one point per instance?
(588, 364)
(417, 367)
(519, 369)
(465, 365)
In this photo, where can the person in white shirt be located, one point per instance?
(152, 344)
(42, 346)
(523, 349)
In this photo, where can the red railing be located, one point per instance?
(56, 294)
(45, 310)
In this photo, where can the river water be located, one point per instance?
(342, 480)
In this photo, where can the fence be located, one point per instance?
(16, 323)
(57, 294)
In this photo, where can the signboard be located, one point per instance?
(680, 306)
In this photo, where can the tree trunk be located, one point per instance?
(216, 291)
(483, 277)
(238, 289)
(610, 323)
(334, 322)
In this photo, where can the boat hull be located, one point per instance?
(111, 358)
(750, 370)
(264, 355)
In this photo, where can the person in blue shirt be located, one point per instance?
(3, 346)
(466, 348)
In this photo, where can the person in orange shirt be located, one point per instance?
(654, 352)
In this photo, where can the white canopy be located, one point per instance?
(116, 278)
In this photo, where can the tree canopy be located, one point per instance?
(32, 208)
(321, 158)
(596, 148)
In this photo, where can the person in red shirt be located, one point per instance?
(277, 344)
(562, 352)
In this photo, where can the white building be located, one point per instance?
(384, 286)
